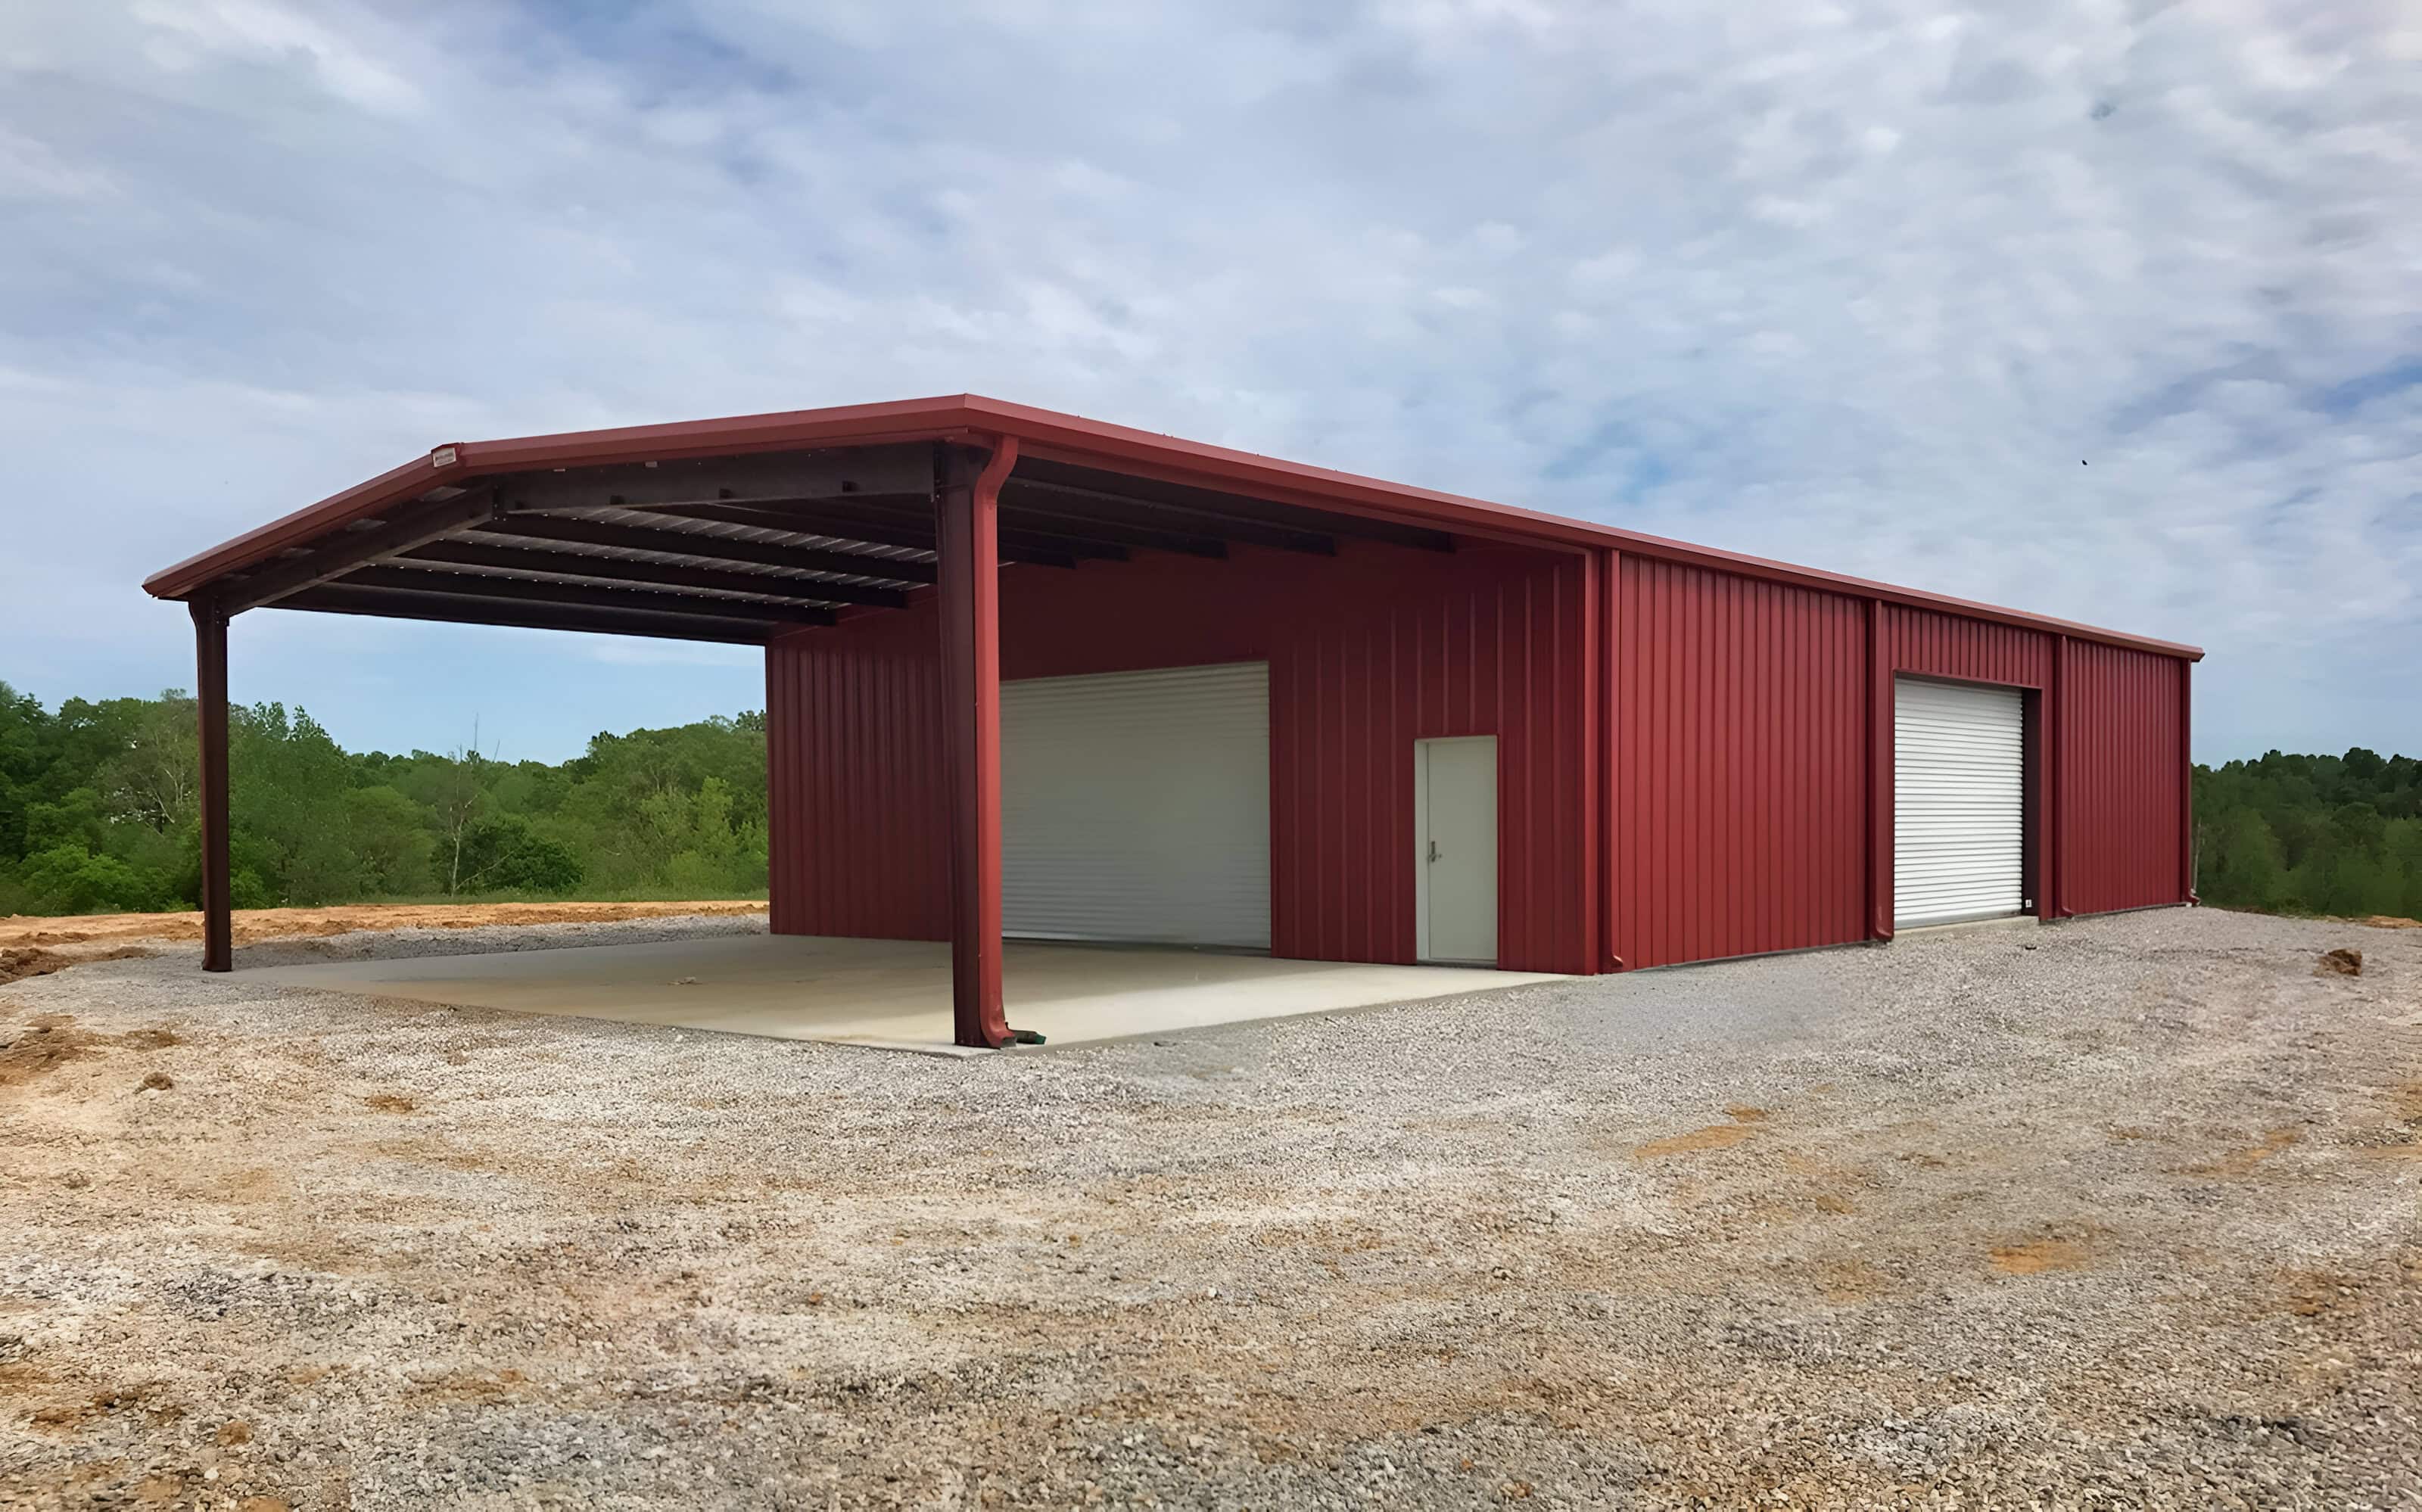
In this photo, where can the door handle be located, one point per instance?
(1434, 850)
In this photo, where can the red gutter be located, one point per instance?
(1052, 434)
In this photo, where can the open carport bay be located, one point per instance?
(2118, 1212)
(895, 994)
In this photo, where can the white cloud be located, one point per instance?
(1861, 285)
(192, 34)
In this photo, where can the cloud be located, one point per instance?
(1860, 285)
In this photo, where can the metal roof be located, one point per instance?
(1089, 488)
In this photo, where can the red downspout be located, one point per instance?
(2186, 781)
(967, 530)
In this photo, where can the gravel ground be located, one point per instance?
(2118, 1213)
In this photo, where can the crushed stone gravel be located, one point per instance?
(2119, 1212)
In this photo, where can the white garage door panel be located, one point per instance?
(1958, 802)
(1135, 806)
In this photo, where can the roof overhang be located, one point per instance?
(1087, 488)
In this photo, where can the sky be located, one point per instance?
(2110, 310)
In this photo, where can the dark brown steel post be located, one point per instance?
(966, 529)
(210, 697)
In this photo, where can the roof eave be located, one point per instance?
(1041, 431)
(1044, 432)
(462, 462)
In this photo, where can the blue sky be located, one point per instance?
(1859, 285)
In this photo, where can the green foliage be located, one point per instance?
(99, 813)
(70, 879)
(2312, 834)
(505, 853)
(390, 841)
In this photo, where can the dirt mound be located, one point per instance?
(47, 1041)
(17, 963)
(2341, 963)
(254, 924)
(41, 1047)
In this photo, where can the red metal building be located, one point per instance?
(1346, 718)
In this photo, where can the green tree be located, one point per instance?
(2239, 861)
(2313, 834)
(390, 841)
(66, 880)
(506, 855)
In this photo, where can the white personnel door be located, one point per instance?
(1454, 833)
(1135, 806)
(1958, 802)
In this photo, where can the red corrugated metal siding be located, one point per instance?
(1944, 645)
(857, 804)
(1368, 653)
(1744, 807)
(1924, 643)
(2112, 826)
(1738, 806)
(1739, 810)
(2122, 756)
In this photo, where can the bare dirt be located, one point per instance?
(18, 962)
(2341, 962)
(2119, 1213)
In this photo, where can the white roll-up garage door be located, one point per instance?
(1958, 802)
(1135, 806)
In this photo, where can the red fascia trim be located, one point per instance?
(1051, 434)
(1145, 453)
(1779, 572)
(883, 424)
(1073, 439)
(361, 501)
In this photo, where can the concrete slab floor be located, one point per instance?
(894, 994)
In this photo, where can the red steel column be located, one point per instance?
(1880, 776)
(2186, 781)
(211, 698)
(1609, 844)
(2053, 903)
(966, 507)
(1592, 764)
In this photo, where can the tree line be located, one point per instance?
(100, 812)
(2338, 835)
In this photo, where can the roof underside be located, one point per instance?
(742, 549)
(738, 530)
